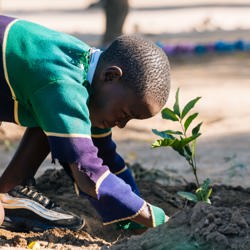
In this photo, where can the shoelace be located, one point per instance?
(34, 195)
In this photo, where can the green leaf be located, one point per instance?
(176, 145)
(189, 106)
(187, 140)
(209, 193)
(196, 129)
(162, 134)
(205, 184)
(187, 153)
(208, 201)
(173, 132)
(166, 133)
(188, 150)
(168, 114)
(189, 120)
(203, 195)
(176, 107)
(204, 191)
(163, 143)
(187, 195)
(200, 194)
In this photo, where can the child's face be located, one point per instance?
(114, 105)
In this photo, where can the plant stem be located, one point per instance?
(192, 161)
(193, 165)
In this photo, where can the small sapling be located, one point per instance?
(183, 141)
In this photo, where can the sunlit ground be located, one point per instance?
(221, 80)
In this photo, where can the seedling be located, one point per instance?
(184, 142)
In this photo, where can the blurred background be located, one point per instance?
(174, 21)
(208, 44)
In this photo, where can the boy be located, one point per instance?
(69, 95)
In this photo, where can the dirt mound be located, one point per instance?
(201, 227)
(223, 225)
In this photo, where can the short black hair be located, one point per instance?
(145, 66)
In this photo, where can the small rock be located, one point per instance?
(19, 241)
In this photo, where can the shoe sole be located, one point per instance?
(11, 203)
(31, 222)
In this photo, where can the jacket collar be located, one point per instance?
(94, 58)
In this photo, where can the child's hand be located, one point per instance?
(136, 227)
(167, 218)
(151, 216)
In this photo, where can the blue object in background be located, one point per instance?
(219, 46)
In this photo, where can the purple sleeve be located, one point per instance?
(116, 200)
(107, 151)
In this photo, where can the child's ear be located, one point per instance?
(112, 73)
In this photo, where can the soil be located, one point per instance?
(223, 155)
(223, 225)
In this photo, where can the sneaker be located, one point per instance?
(28, 210)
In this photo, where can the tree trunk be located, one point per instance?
(116, 12)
